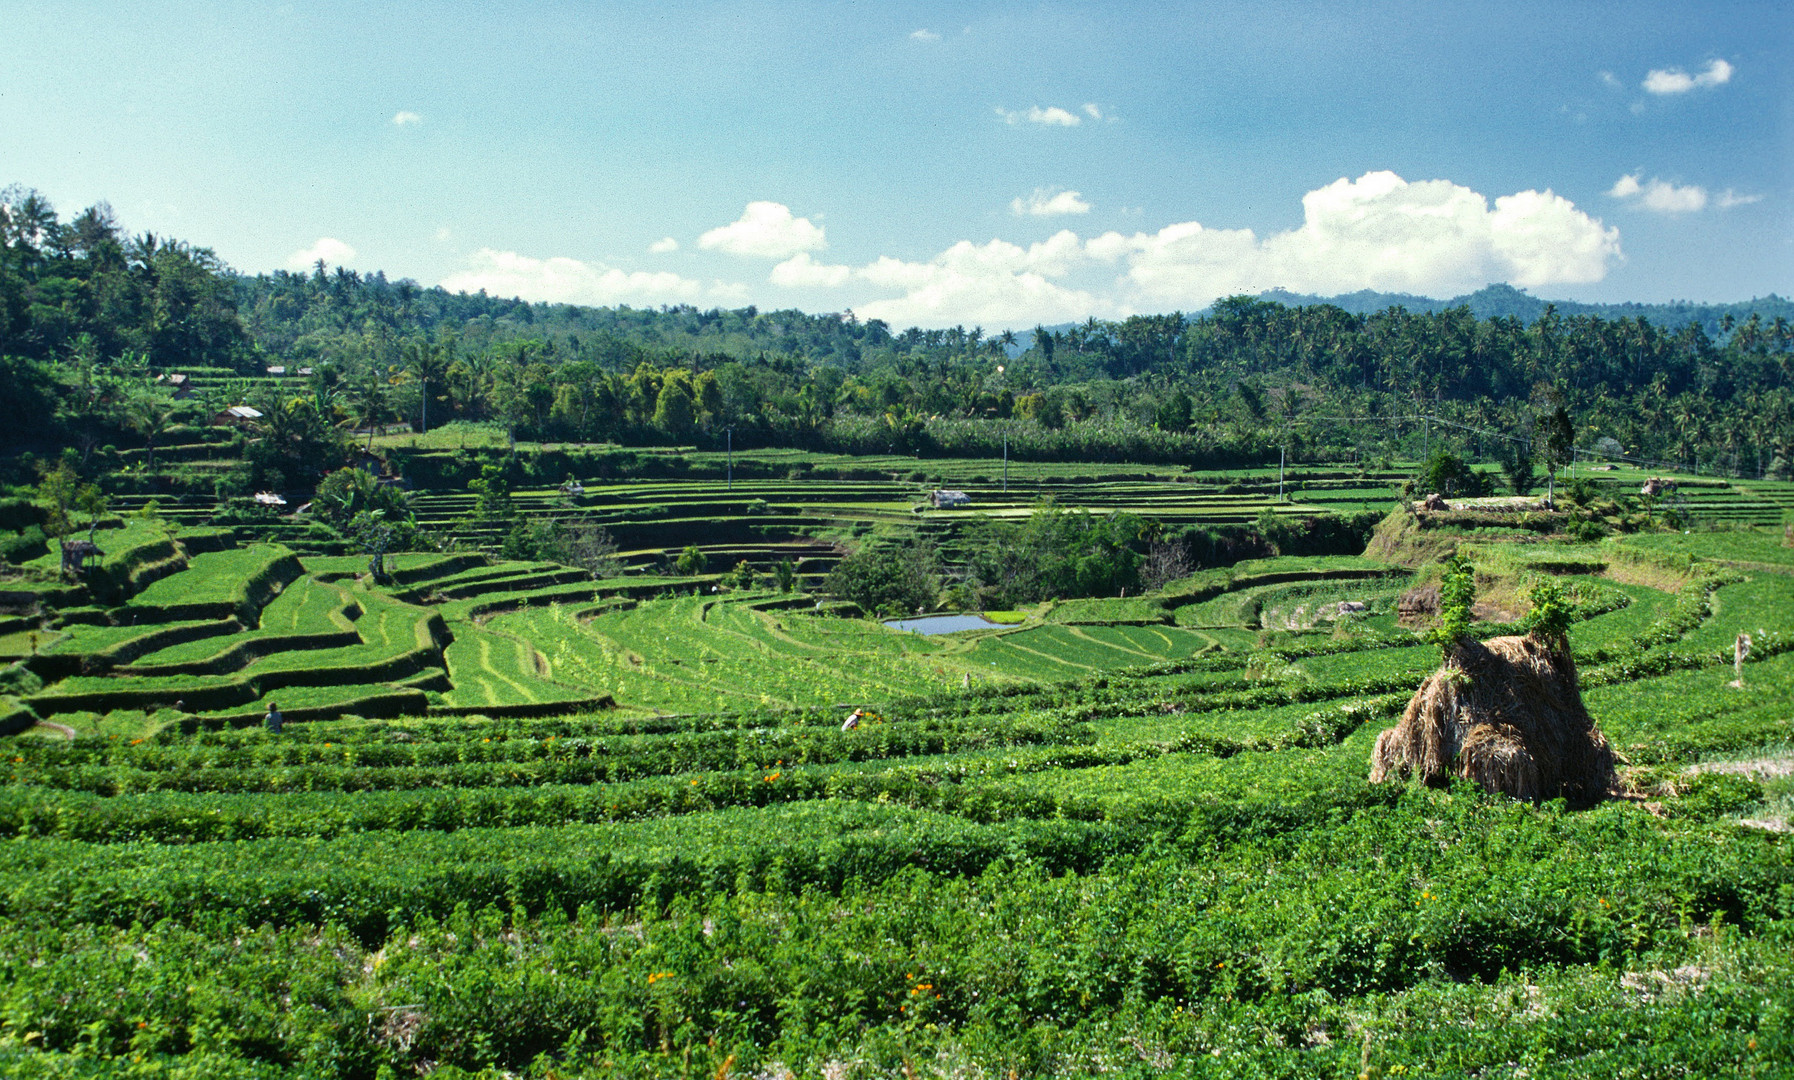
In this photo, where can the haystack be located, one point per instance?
(1418, 604)
(1508, 714)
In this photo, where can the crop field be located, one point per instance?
(526, 823)
(781, 501)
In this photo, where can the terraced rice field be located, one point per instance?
(1038, 836)
(527, 822)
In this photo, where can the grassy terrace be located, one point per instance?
(1029, 794)
(529, 821)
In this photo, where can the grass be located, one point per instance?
(214, 578)
(306, 608)
(1130, 866)
(493, 669)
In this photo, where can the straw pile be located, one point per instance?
(1508, 714)
(1418, 604)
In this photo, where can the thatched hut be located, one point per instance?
(76, 554)
(1508, 714)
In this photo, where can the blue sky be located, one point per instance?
(991, 164)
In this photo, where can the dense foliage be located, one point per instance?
(1054, 553)
(88, 313)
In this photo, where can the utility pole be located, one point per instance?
(1005, 460)
(729, 434)
(1280, 457)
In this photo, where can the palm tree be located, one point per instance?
(150, 417)
(368, 405)
(428, 364)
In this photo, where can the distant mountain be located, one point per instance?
(1500, 301)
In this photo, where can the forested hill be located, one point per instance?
(1502, 301)
(1505, 301)
(90, 315)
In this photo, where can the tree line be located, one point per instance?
(90, 314)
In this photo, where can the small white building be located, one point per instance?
(944, 499)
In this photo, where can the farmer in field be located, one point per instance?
(273, 720)
(852, 721)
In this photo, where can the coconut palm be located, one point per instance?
(149, 416)
(427, 363)
(368, 404)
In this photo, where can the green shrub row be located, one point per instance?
(947, 782)
(154, 766)
(372, 882)
(811, 933)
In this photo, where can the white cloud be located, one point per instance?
(562, 280)
(993, 284)
(333, 251)
(1677, 81)
(1051, 116)
(924, 35)
(406, 118)
(1377, 232)
(1659, 196)
(765, 230)
(1609, 79)
(1729, 198)
(800, 271)
(1093, 111)
(663, 245)
(1045, 202)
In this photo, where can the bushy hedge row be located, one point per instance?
(280, 766)
(315, 808)
(1383, 940)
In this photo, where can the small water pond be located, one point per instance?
(943, 624)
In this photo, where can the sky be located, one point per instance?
(979, 164)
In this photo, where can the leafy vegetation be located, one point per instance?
(594, 811)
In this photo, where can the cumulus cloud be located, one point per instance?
(1093, 111)
(997, 283)
(1046, 202)
(333, 251)
(800, 271)
(663, 245)
(1677, 81)
(1659, 196)
(406, 118)
(765, 230)
(1377, 232)
(924, 35)
(561, 280)
(1051, 116)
